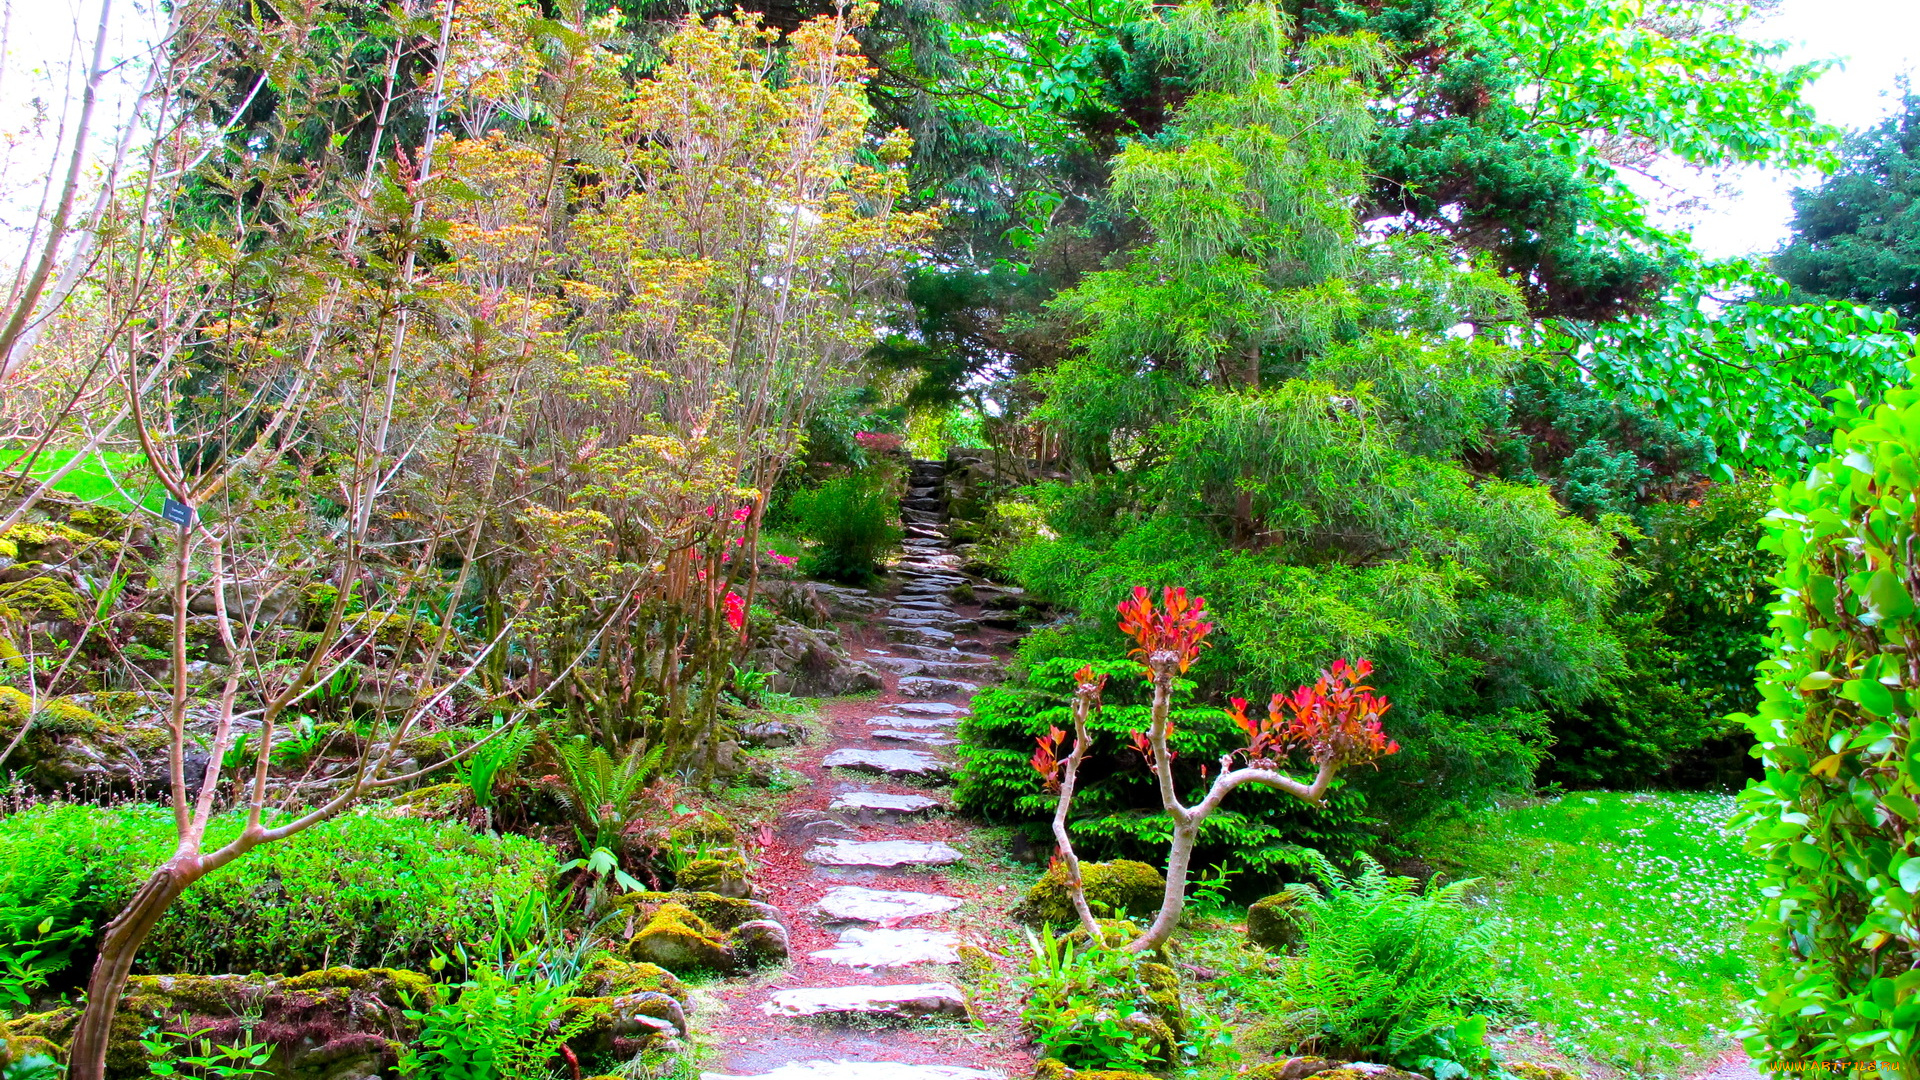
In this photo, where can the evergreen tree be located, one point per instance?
(1857, 236)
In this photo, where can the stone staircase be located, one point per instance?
(904, 972)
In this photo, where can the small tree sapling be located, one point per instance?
(1334, 723)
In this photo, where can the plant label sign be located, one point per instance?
(178, 513)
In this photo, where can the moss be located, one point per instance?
(1274, 923)
(1539, 1070)
(438, 802)
(98, 520)
(42, 595)
(15, 707)
(42, 539)
(976, 965)
(723, 912)
(390, 629)
(610, 976)
(1118, 888)
(703, 831)
(390, 984)
(724, 875)
(1112, 1074)
(1051, 1069)
(677, 939)
(1293, 1068)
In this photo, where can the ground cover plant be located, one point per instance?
(1623, 923)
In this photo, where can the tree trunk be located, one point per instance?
(87, 1054)
(1174, 901)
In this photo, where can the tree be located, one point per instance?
(1857, 236)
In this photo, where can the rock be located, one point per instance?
(929, 708)
(925, 686)
(851, 903)
(680, 941)
(1122, 887)
(886, 762)
(721, 912)
(336, 1024)
(723, 874)
(883, 853)
(920, 635)
(863, 1070)
(923, 738)
(892, 947)
(920, 723)
(1273, 923)
(827, 827)
(624, 1025)
(905, 1001)
(869, 807)
(803, 660)
(610, 976)
(761, 941)
(1293, 1068)
(772, 733)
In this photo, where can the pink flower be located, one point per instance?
(743, 513)
(736, 611)
(783, 560)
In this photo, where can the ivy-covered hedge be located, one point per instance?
(363, 890)
(1837, 816)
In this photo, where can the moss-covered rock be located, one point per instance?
(624, 1025)
(1539, 1070)
(73, 741)
(722, 912)
(724, 874)
(976, 965)
(1114, 889)
(680, 941)
(1113, 1074)
(1293, 1068)
(98, 521)
(1051, 1069)
(52, 542)
(337, 1024)
(703, 832)
(38, 599)
(1274, 923)
(610, 976)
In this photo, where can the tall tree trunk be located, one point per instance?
(87, 1054)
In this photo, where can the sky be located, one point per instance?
(1748, 211)
(1745, 211)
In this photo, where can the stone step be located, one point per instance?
(915, 722)
(935, 669)
(923, 491)
(882, 854)
(919, 738)
(890, 947)
(851, 903)
(906, 1000)
(926, 686)
(929, 708)
(872, 807)
(862, 1070)
(919, 634)
(951, 656)
(887, 762)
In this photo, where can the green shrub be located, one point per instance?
(850, 520)
(1096, 1008)
(1837, 816)
(362, 890)
(491, 1028)
(1384, 972)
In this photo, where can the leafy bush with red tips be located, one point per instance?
(1171, 634)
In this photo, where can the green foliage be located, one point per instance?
(850, 521)
(491, 1028)
(489, 764)
(32, 1067)
(360, 890)
(600, 790)
(1837, 817)
(62, 874)
(1622, 921)
(1857, 236)
(1099, 1008)
(184, 1055)
(1727, 355)
(1383, 969)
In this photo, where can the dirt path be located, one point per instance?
(869, 867)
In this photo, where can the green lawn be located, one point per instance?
(91, 480)
(1625, 920)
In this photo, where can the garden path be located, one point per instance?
(878, 883)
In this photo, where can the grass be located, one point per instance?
(92, 481)
(1624, 921)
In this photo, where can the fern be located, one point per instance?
(600, 791)
(1383, 968)
(482, 770)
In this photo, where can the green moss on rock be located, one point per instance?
(724, 874)
(1293, 1068)
(43, 596)
(1114, 889)
(1274, 923)
(700, 831)
(610, 976)
(677, 939)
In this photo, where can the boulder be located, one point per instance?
(724, 874)
(759, 941)
(1274, 923)
(610, 976)
(1119, 888)
(624, 1025)
(336, 1024)
(801, 660)
(678, 940)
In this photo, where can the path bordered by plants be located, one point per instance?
(892, 940)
